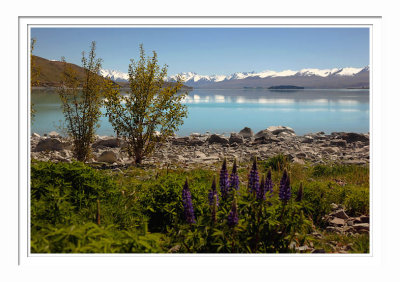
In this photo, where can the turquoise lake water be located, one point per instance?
(229, 110)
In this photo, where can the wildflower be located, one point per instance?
(233, 217)
(214, 208)
(269, 185)
(213, 193)
(187, 204)
(299, 196)
(224, 180)
(284, 187)
(253, 178)
(234, 178)
(261, 189)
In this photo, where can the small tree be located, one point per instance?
(81, 102)
(150, 106)
(35, 72)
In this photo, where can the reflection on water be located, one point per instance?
(227, 110)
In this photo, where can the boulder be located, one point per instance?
(106, 142)
(340, 214)
(275, 130)
(50, 144)
(337, 221)
(360, 227)
(195, 142)
(236, 138)
(352, 137)
(307, 139)
(180, 141)
(246, 132)
(263, 134)
(107, 157)
(338, 142)
(217, 139)
(53, 134)
(35, 135)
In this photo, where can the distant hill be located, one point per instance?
(51, 73)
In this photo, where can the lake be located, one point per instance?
(229, 110)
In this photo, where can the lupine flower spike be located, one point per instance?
(269, 185)
(224, 180)
(284, 187)
(234, 177)
(187, 204)
(254, 178)
(261, 190)
(214, 209)
(299, 197)
(213, 193)
(233, 217)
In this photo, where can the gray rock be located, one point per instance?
(106, 142)
(50, 144)
(195, 142)
(236, 138)
(307, 139)
(338, 142)
(217, 139)
(361, 227)
(53, 134)
(35, 135)
(340, 214)
(352, 137)
(298, 161)
(246, 132)
(107, 157)
(278, 129)
(263, 134)
(180, 141)
(318, 251)
(337, 221)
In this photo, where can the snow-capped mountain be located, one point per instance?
(305, 77)
(114, 75)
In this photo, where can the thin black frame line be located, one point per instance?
(28, 127)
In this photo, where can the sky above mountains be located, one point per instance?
(212, 50)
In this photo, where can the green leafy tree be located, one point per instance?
(81, 102)
(35, 72)
(151, 105)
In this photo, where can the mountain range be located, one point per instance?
(308, 78)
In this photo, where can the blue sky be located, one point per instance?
(212, 50)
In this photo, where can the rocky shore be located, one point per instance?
(205, 149)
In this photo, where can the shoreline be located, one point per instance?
(206, 149)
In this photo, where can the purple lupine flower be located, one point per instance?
(269, 185)
(224, 180)
(213, 192)
(299, 196)
(261, 189)
(187, 204)
(284, 187)
(233, 217)
(214, 208)
(234, 178)
(253, 178)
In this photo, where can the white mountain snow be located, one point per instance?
(192, 78)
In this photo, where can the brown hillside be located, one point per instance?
(50, 72)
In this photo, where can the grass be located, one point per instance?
(141, 207)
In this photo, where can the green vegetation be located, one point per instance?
(35, 73)
(81, 106)
(148, 107)
(141, 210)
